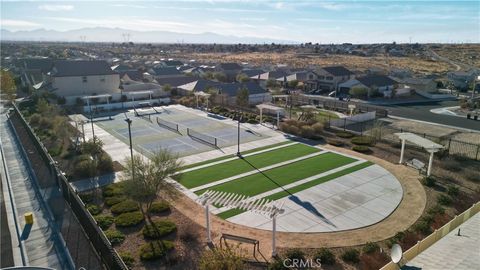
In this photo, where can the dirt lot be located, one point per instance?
(464, 53)
(352, 62)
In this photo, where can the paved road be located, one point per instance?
(422, 112)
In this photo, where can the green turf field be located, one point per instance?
(293, 190)
(227, 169)
(278, 177)
(231, 156)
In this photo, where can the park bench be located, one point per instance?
(417, 164)
(254, 242)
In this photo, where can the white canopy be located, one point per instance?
(420, 141)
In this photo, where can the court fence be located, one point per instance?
(99, 241)
(438, 234)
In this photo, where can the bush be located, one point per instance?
(428, 181)
(444, 200)
(437, 209)
(94, 209)
(364, 140)
(109, 201)
(307, 132)
(158, 229)
(361, 149)
(295, 253)
(453, 191)
(215, 259)
(473, 176)
(336, 142)
(155, 249)
(114, 190)
(423, 226)
(129, 219)
(127, 258)
(370, 247)
(105, 163)
(86, 197)
(189, 234)
(344, 134)
(318, 128)
(159, 207)
(104, 221)
(114, 236)
(325, 256)
(351, 256)
(124, 207)
(85, 168)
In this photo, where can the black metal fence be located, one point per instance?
(385, 133)
(95, 235)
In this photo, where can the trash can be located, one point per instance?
(28, 218)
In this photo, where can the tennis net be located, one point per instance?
(202, 137)
(167, 124)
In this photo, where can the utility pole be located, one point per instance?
(238, 136)
(129, 122)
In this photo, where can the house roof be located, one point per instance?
(134, 75)
(276, 74)
(172, 63)
(229, 66)
(229, 89)
(42, 64)
(163, 71)
(252, 72)
(338, 71)
(377, 80)
(416, 81)
(176, 81)
(68, 68)
(120, 68)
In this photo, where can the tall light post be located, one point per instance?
(129, 122)
(91, 122)
(238, 136)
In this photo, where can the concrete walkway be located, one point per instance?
(43, 244)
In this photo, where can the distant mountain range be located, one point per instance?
(102, 34)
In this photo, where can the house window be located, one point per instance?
(84, 79)
(321, 77)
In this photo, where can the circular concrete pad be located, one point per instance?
(352, 201)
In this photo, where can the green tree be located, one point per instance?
(7, 85)
(271, 83)
(242, 97)
(359, 92)
(242, 77)
(167, 87)
(219, 76)
(293, 84)
(146, 178)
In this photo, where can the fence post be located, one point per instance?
(344, 124)
(478, 150)
(449, 142)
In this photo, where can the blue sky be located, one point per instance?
(296, 20)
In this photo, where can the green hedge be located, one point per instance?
(159, 207)
(155, 249)
(336, 142)
(370, 247)
(325, 256)
(124, 207)
(110, 201)
(158, 229)
(114, 236)
(127, 258)
(363, 140)
(351, 256)
(361, 148)
(94, 209)
(104, 221)
(115, 189)
(344, 134)
(129, 219)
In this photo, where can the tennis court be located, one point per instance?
(173, 129)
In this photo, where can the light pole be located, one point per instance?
(238, 136)
(129, 122)
(91, 122)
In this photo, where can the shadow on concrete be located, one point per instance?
(310, 208)
(26, 231)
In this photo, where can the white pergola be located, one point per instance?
(272, 108)
(132, 94)
(427, 144)
(201, 94)
(88, 98)
(232, 200)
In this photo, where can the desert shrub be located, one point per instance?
(325, 256)
(336, 142)
(453, 191)
(159, 207)
(109, 201)
(86, 197)
(428, 181)
(437, 209)
(397, 238)
(472, 176)
(351, 256)
(124, 207)
(113, 189)
(158, 229)
(317, 128)
(344, 134)
(363, 140)
(423, 226)
(444, 200)
(307, 131)
(35, 119)
(451, 165)
(94, 209)
(252, 121)
(277, 264)
(85, 168)
(295, 253)
(127, 258)
(215, 259)
(370, 247)
(155, 249)
(361, 148)
(129, 219)
(114, 236)
(189, 234)
(104, 163)
(104, 221)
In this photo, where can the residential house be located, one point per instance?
(162, 72)
(34, 70)
(131, 75)
(171, 63)
(72, 79)
(307, 79)
(419, 84)
(330, 77)
(462, 79)
(373, 83)
(276, 75)
(229, 69)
